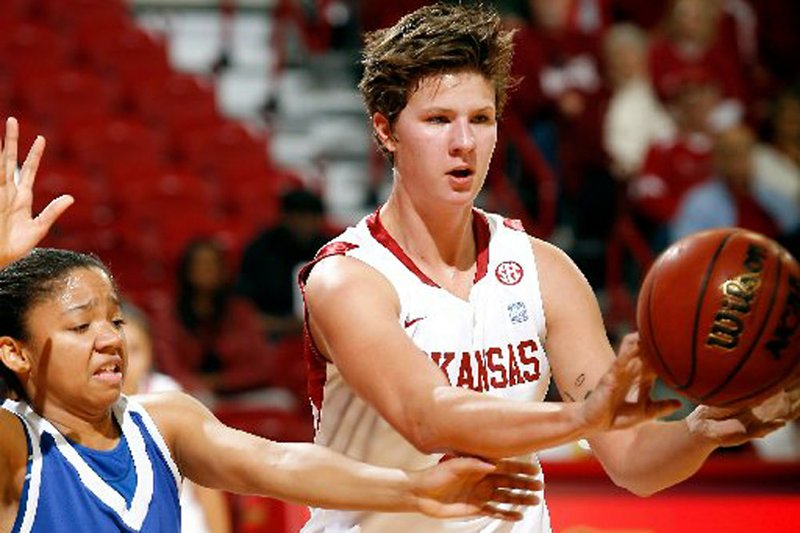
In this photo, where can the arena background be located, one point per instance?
(170, 120)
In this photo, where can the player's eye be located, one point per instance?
(437, 119)
(80, 328)
(118, 323)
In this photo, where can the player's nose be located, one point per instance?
(463, 136)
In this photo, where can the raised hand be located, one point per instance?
(19, 230)
(467, 486)
(622, 397)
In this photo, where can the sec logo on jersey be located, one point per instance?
(509, 272)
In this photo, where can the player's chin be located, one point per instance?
(103, 395)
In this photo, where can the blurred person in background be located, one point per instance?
(203, 510)
(672, 167)
(269, 262)
(635, 117)
(735, 197)
(219, 350)
(693, 37)
(777, 161)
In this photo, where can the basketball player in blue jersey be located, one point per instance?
(76, 455)
(434, 326)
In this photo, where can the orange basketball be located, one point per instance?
(719, 316)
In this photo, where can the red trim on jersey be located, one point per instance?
(316, 362)
(513, 223)
(379, 233)
(480, 230)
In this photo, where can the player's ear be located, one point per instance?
(383, 131)
(13, 356)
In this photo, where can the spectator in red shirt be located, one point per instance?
(219, 350)
(672, 167)
(695, 38)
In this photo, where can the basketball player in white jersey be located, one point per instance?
(433, 327)
(76, 455)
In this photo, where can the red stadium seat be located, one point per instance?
(179, 103)
(118, 142)
(60, 13)
(72, 93)
(131, 57)
(51, 50)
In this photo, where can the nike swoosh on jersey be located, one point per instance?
(410, 322)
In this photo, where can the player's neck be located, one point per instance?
(433, 236)
(97, 431)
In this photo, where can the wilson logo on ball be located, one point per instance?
(738, 295)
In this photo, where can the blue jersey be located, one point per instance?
(69, 488)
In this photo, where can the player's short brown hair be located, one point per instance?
(433, 40)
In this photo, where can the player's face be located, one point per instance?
(444, 138)
(76, 346)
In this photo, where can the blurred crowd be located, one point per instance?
(631, 125)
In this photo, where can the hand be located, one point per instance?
(737, 425)
(622, 397)
(19, 231)
(466, 486)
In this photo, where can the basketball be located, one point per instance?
(718, 315)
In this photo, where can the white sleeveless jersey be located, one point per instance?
(491, 343)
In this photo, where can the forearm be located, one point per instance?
(461, 420)
(306, 474)
(653, 456)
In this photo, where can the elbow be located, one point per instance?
(642, 492)
(635, 486)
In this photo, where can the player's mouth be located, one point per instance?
(461, 172)
(461, 177)
(110, 371)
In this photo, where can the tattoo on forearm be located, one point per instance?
(568, 396)
(588, 392)
(580, 379)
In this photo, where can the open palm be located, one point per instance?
(19, 230)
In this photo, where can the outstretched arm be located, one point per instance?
(217, 456)
(19, 230)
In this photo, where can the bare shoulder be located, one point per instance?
(12, 432)
(13, 447)
(341, 279)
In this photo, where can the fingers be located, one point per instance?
(661, 408)
(766, 428)
(31, 165)
(10, 149)
(630, 343)
(516, 467)
(502, 514)
(514, 497)
(509, 482)
(54, 210)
